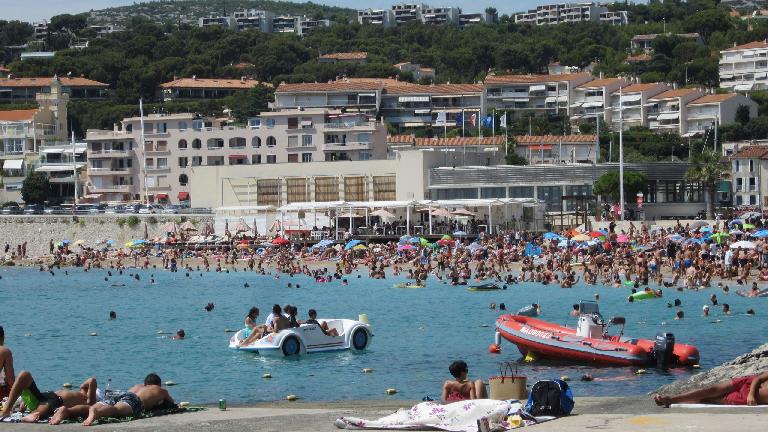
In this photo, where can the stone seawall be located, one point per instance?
(38, 230)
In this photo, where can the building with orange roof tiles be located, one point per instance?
(23, 89)
(539, 94)
(629, 103)
(744, 68)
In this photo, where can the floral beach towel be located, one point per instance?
(459, 416)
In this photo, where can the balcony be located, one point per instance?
(349, 146)
(158, 151)
(59, 180)
(158, 169)
(102, 154)
(105, 171)
(159, 188)
(345, 126)
(110, 189)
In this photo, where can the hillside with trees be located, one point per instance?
(136, 61)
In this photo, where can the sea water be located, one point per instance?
(49, 319)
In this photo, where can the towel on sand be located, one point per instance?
(16, 417)
(453, 417)
(708, 406)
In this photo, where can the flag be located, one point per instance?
(503, 120)
(488, 121)
(460, 119)
(473, 119)
(440, 121)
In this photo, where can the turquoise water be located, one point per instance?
(417, 333)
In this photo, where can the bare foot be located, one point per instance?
(89, 421)
(660, 400)
(31, 418)
(60, 415)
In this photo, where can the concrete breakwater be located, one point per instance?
(94, 230)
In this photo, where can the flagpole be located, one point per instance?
(621, 154)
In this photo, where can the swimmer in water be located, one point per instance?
(179, 335)
(112, 315)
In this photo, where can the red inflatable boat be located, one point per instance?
(590, 341)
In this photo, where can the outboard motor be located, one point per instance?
(663, 350)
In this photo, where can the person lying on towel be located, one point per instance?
(747, 390)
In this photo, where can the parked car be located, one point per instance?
(53, 210)
(12, 210)
(33, 209)
(170, 209)
(114, 209)
(150, 209)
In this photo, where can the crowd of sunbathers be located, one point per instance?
(88, 402)
(280, 319)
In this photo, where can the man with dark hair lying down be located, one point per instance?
(748, 390)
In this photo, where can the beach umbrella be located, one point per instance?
(242, 226)
(351, 244)
(751, 215)
(581, 237)
(169, 227)
(699, 224)
(404, 238)
(187, 226)
(384, 215)
(706, 229)
(360, 247)
(622, 239)
(445, 242)
(747, 226)
(462, 212)
(446, 237)
(736, 232)
(110, 242)
(719, 236)
(441, 213)
(414, 240)
(65, 242)
(743, 245)
(323, 244)
(406, 247)
(565, 243)
(760, 234)
(595, 234)
(735, 222)
(551, 236)
(423, 241)
(280, 241)
(243, 246)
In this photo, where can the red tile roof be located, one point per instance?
(669, 94)
(532, 79)
(526, 140)
(331, 86)
(602, 82)
(407, 88)
(342, 56)
(17, 115)
(634, 88)
(46, 81)
(713, 98)
(224, 83)
(750, 45)
(401, 139)
(751, 152)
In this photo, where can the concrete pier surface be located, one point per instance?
(605, 414)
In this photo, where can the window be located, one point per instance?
(326, 189)
(183, 162)
(254, 123)
(162, 127)
(306, 140)
(270, 122)
(306, 157)
(182, 144)
(271, 159)
(521, 192)
(298, 190)
(293, 122)
(271, 141)
(148, 127)
(356, 188)
(364, 137)
(293, 141)
(215, 143)
(162, 163)
(237, 143)
(149, 162)
(365, 156)
(197, 125)
(752, 184)
(182, 125)
(306, 122)
(293, 157)
(256, 142)
(129, 127)
(384, 188)
(197, 160)
(739, 184)
(493, 192)
(215, 160)
(753, 200)
(256, 159)
(183, 179)
(197, 144)
(739, 200)
(751, 165)
(737, 165)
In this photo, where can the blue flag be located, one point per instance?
(459, 119)
(488, 121)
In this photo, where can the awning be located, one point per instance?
(306, 123)
(422, 111)
(161, 196)
(13, 164)
(691, 134)
(760, 76)
(668, 116)
(237, 156)
(183, 196)
(631, 97)
(537, 87)
(577, 104)
(723, 186)
(367, 94)
(592, 104)
(92, 196)
(52, 167)
(520, 99)
(551, 99)
(414, 124)
(743, 87)
(413, 99)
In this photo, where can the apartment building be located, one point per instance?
(382, 17)
(223, 21)
(468, 19)
(253, 19)
(571, 13)
(307, 26)
(744, 68)
(630, 104)
(18, 89)
(591, 99)
(644, 42)
(405, 105)
(285, 24)
(357, 57)
(540, 94)
(667, 111)
(749, 176)
(64, 164)
(350, 95)
(404, 13)
(206, 88)
(158, 170)
(416, 70)
(440, 15)
(703, 112)
(40, 30)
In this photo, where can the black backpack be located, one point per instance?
(550, 398)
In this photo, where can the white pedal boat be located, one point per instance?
(309, 338)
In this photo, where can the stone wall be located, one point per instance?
(38, 230)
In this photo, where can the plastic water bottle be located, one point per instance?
(109, 386)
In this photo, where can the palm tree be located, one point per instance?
(707, 169)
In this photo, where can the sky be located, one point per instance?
(36, 10)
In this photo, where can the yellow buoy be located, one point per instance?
(267, 376)
(292, 398)
(184, 404)
(367, 370)
(170, 383)
(94, 334)
(530, 357)
(641, 372)
(391, 391)
(67, 385)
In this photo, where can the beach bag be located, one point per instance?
(508, 384)
(550, 398)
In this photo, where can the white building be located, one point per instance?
(720, 108)
(254, 19)
(631, 108)
(541, 94)
(749, 177)
(745, 67)
(440, 15)
(223, 21)
(382, 17)
(591, 99)
(667, 111)
(404, 13)
(570, 13)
